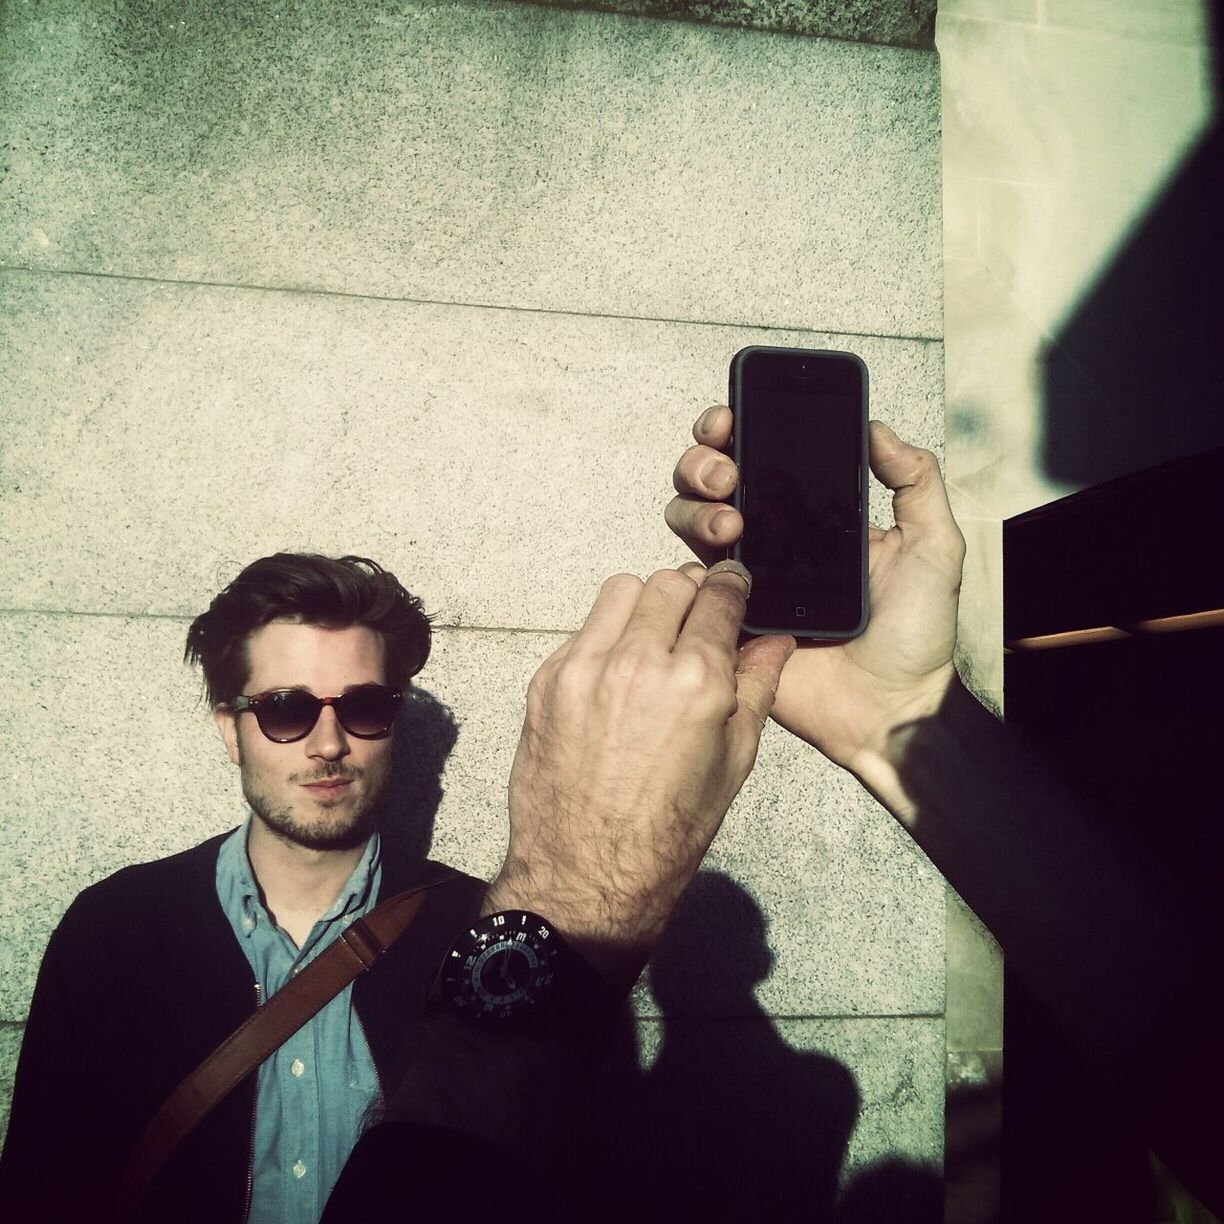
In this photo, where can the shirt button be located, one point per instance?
(297, 1066)
(247, 922)
(299, 1169)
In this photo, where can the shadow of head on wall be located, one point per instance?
(729, 1120)
(1133, 377)
(425, 733)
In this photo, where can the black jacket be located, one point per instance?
(142, 979)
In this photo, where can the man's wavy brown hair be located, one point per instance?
(314, 590)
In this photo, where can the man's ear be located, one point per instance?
(227, 725)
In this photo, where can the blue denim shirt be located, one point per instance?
(315, 1091)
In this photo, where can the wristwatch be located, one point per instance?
(513, 970)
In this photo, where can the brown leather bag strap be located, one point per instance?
(264, 1031)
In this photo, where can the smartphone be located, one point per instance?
(800, 443)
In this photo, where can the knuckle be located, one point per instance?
(948, 542)
(537, 697)
(632, 664)
(573, 683)
(704, 669)
(540, 682)
(945, 550)
(675, 581)
(692, 672)
(927, 463)
(703, 679)
(618, 582)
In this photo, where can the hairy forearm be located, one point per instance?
(1103, 942)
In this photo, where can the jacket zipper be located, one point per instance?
(250, 1190)
(369, 1049)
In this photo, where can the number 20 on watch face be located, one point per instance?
(800, 442)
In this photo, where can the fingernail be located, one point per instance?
(707, 420)
(716, 476)
(723, 516)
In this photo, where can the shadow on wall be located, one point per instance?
(425, 734)
(1134, 378)
(730, 1121)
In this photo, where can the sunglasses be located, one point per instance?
(288, 715)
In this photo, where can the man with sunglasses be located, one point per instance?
(306, 662)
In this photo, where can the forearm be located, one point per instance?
(1102, 942)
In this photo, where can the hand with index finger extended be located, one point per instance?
(639, 732)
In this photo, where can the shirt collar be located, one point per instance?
(234, 868)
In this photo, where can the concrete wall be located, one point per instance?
(446, 285)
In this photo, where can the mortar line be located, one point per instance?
(768, 1016)
(798, 1016)
(189, 616)
(97, 614)
(411, 301)
(502, 629)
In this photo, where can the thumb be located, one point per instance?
(919, 496)
(756, 682)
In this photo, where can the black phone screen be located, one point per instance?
(800, 424)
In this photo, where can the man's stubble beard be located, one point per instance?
(349, 828)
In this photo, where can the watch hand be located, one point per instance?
(508, 974)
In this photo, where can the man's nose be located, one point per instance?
(327, 739)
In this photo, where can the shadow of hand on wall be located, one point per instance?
(425, 733)
(730, 1121)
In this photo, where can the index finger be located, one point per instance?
(717, 613)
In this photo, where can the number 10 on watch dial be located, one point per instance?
(501, 968)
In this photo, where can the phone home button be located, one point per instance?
(800, 611)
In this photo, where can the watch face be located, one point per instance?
(502, 968)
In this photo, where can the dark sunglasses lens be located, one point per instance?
(368, 711)
(287, 716)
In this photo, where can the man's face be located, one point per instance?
(320, 792)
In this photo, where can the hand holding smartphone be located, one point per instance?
(800, 443)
